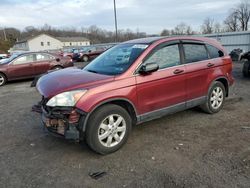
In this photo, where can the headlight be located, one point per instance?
(69, 98)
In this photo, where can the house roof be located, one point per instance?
(34, 36)
(72, 39)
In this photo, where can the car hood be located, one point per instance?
(69, 79)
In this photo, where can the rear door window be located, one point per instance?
(214, 52)
(195, 53)
(43, 57)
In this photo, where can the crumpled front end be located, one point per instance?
(61, 121)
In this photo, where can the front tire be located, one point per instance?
(246, 69)
(3, 79)
(215, 99)
(108, 129)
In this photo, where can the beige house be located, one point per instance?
(47, 42)
(74, 41)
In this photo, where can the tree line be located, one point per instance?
(237, 19)
(8, 36)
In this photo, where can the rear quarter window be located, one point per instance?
(195, 53)
(214, 52)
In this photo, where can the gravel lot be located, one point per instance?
(187, 149)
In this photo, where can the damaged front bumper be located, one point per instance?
(62, 121)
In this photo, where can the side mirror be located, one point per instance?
(89, 51)
(149, 68)
(57, 59)
(221, 54)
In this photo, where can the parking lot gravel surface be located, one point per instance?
(186, 149)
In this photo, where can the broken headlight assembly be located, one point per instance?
(66, 99)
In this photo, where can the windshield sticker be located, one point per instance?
(141, 46)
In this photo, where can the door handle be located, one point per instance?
(210, 65)
(178, 71)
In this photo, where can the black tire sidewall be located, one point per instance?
(4, 81)
(216, 84)
(94, 122)
(246, 68)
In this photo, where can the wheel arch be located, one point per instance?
(123, 102)
(224, 81)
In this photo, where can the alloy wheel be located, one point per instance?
(112, 130)
(216, 98)
(2, 79)
(85, 58)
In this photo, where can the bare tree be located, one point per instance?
(243, 14)
(182, 29)
(165, 32)
(207, 26)
(231, 22)
(189, 30)
(217, 27)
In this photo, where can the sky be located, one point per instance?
(150, 16)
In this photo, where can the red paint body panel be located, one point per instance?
(116, 89)
(160, 89)
(19, 71)
(69, 79)
(147, 93)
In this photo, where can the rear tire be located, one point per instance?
(85, 58)
(246, 69)
(215, 98)
(57, 68)
(3, 79)
(108, 129)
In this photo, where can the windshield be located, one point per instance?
(116, 60)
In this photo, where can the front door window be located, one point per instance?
(165, 57)
(23, 59)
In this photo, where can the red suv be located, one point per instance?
(134, 82)
(30, 64)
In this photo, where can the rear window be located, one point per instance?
(214, 52)
(195, 52)
(43, 57)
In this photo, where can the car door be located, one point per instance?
(197, 63)
(42, 63)
(163, 91)
(21, 67)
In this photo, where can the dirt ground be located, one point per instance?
(187, 149)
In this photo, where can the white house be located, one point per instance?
(47, 42)
(38, 43)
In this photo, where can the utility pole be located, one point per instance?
(4, 33)
(115, 22)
